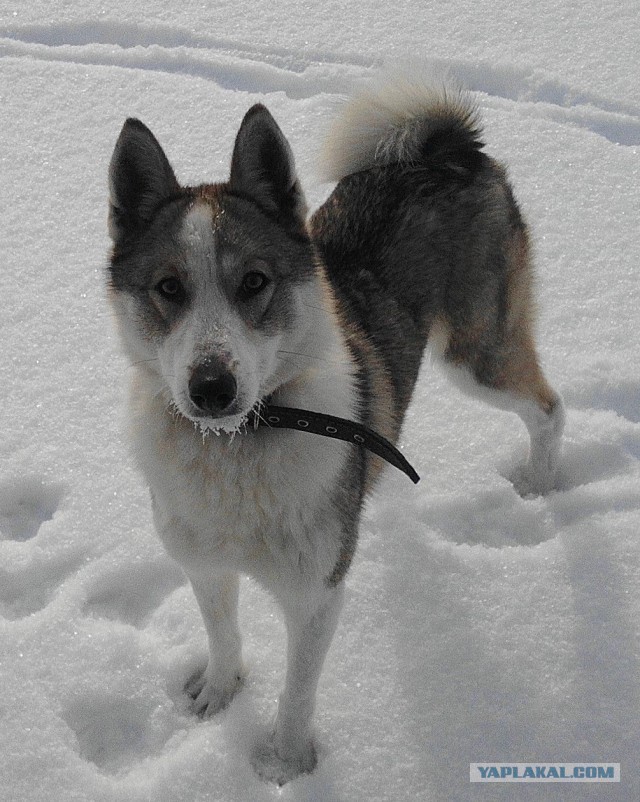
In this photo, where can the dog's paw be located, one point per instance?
(528, 482)
(280, 769)
(208, 695)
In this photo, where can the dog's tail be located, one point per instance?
(402, 119)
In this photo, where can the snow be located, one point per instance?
(479, 625)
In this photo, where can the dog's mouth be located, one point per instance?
(232, 424)
(235, 420)
(229, 424)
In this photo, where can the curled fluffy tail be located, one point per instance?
(404, 119)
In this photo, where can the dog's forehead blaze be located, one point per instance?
(207, 219)
(197, 226)
(211, 196)
(210, 228)
(198, 236)
(205, 214)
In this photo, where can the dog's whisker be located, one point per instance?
(143, 362)
(257, 412)
(297, 365)
(313, 357)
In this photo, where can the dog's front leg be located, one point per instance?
(290, 750)
(213, 688)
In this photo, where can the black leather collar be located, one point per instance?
(303, 420)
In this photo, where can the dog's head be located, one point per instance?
(212, 284)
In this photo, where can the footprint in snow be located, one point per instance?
(31, 589)
(25, 504)
(117, 732)
(131, 594)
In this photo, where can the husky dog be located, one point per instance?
(227, 298)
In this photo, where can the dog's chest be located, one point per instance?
(262, 503)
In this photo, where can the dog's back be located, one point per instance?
(420, 228)
(423, 240)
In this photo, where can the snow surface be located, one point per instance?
(479, 626)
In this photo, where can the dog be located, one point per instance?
(229, 300)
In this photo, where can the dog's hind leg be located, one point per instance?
(290, 750)
(522, 387)
(484, 335)
(213, 689)
(501, 367)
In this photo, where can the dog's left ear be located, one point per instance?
(140, 180)
(262, 168)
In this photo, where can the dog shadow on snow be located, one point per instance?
(475, 631)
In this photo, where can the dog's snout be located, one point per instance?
(213, 389)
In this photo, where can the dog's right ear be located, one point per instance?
(140, 179)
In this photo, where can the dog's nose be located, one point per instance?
(213, 389)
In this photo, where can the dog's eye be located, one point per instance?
(171, 289)
(253, 283)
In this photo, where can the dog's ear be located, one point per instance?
(140, 179)
(262, 168)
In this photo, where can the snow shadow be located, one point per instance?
(462, 706)
(482, 680)
(605, 693)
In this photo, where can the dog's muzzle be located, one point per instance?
(213, 389)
